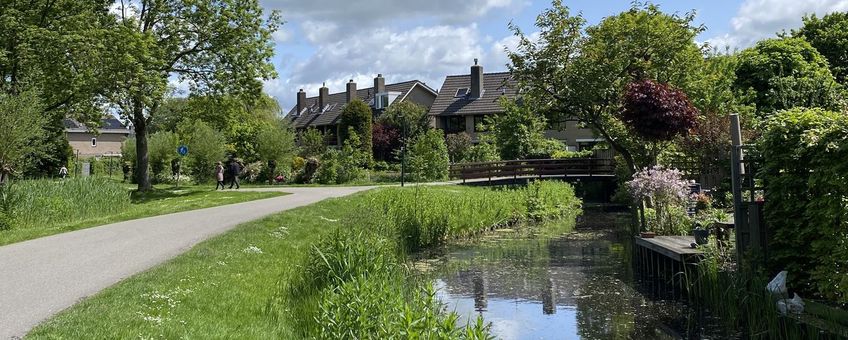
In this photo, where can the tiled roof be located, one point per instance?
(106, 124)
(495, 86)
(333, 110)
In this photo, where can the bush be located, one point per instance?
(518, 131)
(428, 157)
(484, 151)
(312, 143)
(205, 148)
(805, 159)
(563, 154)
(161, 150)
(666, 192)
(459, 146)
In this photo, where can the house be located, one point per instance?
(465, 100)
(323, 112)
(106, 140)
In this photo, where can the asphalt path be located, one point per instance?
(41, 277)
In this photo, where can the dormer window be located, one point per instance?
(462, 92)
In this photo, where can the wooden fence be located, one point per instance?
(534, 167)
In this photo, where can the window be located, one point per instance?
(93, 142)
(479, 124)
(384, 101)
(454, 124)
(462, 92)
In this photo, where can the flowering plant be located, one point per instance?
(665, 191)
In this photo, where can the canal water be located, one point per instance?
(562, 283)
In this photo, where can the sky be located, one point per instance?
(333, 41)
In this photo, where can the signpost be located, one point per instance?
(182, 150)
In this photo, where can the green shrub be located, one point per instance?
(161, 150)
(357, 117)
(805, 161)
(484, 151)
(428, 157)
(459, 146)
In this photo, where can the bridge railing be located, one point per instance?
(533, 167)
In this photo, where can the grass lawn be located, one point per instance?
(219, 289)
(229, 287)
(163, 200)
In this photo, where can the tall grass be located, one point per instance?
(425, 217)
(355, 283)
(739, 300)
(44, 203)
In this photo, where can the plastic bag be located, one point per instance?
(794, 305)
(778, 284)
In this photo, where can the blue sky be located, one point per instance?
(333, 41)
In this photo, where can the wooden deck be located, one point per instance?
(676, 248)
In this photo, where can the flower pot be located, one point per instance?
(701, 236)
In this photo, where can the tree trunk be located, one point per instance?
(141, 167)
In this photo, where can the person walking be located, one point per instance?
(235, 170)
(219, 175)
(63, 172)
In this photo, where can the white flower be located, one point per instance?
(252, 250)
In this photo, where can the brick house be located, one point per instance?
(465, 100)
(323, 112)
(106, 140)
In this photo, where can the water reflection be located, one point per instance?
(569, 287)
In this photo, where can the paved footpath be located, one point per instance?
(41, 277)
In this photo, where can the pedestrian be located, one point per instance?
(219, 175)
(235, 170)
(63, 172)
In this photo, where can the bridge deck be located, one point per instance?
(676, 248)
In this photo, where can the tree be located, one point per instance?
(407, 115)
(567, 73)
(428, 157)
(54, 47)
(829, 35)
(657, 111)
(785, 73)
(357, 115)
(311, 143)
(215, 46)
(385, 140)
(518, 131)
(163, 149)
(20, 123)
(205, 148)
(277, 143)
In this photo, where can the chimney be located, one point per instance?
(323, 97)
(476, 80)
(379, 84)
(301, 101)
(351, 91)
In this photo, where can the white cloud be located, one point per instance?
(760, 19)
(282, 35)
(424, 53)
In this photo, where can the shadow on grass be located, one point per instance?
(137, 197)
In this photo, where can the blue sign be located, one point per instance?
(182, 150)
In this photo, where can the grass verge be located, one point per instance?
(333, 269)
(41, 208)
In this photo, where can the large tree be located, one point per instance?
(215, 46)
(21, 120)
(784, 73)
(55, 47)
(568, 73)
(829, 35)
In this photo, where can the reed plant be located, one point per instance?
(738, 299)
(44, 203)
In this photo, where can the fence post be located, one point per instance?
(736, 172)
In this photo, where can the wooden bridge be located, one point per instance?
(568, 167)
